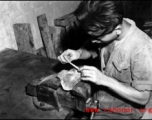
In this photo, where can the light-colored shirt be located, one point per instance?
(131, 64)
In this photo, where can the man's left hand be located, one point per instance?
(90, 73)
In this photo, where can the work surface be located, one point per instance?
(16, 70)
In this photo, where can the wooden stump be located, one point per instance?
(46, 36)
(41, 51)
(24, 37)
(71, 35)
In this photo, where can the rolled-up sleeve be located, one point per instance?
(141, 68)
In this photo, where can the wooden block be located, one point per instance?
(52, 31)
(69, 35)
(68, 28)
(41, 51)
(24, 37)
(65, 20)
(46, 36)
(63, 37)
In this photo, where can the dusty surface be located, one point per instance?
(16, 70)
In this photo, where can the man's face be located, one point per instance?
(105, 38)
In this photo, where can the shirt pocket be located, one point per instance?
(122, 71)
(121, 66)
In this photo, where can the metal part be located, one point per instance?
(95, 105)
(74, 65)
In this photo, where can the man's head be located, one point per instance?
(100, 18)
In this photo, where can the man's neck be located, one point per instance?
(124, 30)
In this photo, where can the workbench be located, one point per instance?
(16, 70)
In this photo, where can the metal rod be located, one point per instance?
(92, 115)
(96, 106)
(73, 65)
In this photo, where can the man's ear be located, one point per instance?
(118, 27)
(118, 30)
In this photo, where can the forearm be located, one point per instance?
(84, 54)
(88, 50)
(127, 92)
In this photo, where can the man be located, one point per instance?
(125, 78)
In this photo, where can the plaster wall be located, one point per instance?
(12, 12)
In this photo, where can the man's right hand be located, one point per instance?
(69, 55)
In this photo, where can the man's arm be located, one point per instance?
(83, 53)
(141, 72)
(88, 50)
(127, 92)
(94, 75)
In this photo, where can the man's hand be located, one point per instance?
(69, 55)
(90, 73)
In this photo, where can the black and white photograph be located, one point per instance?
(76, 60)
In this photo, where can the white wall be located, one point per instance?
(12, 12)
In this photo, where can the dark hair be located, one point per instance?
(99, 16)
